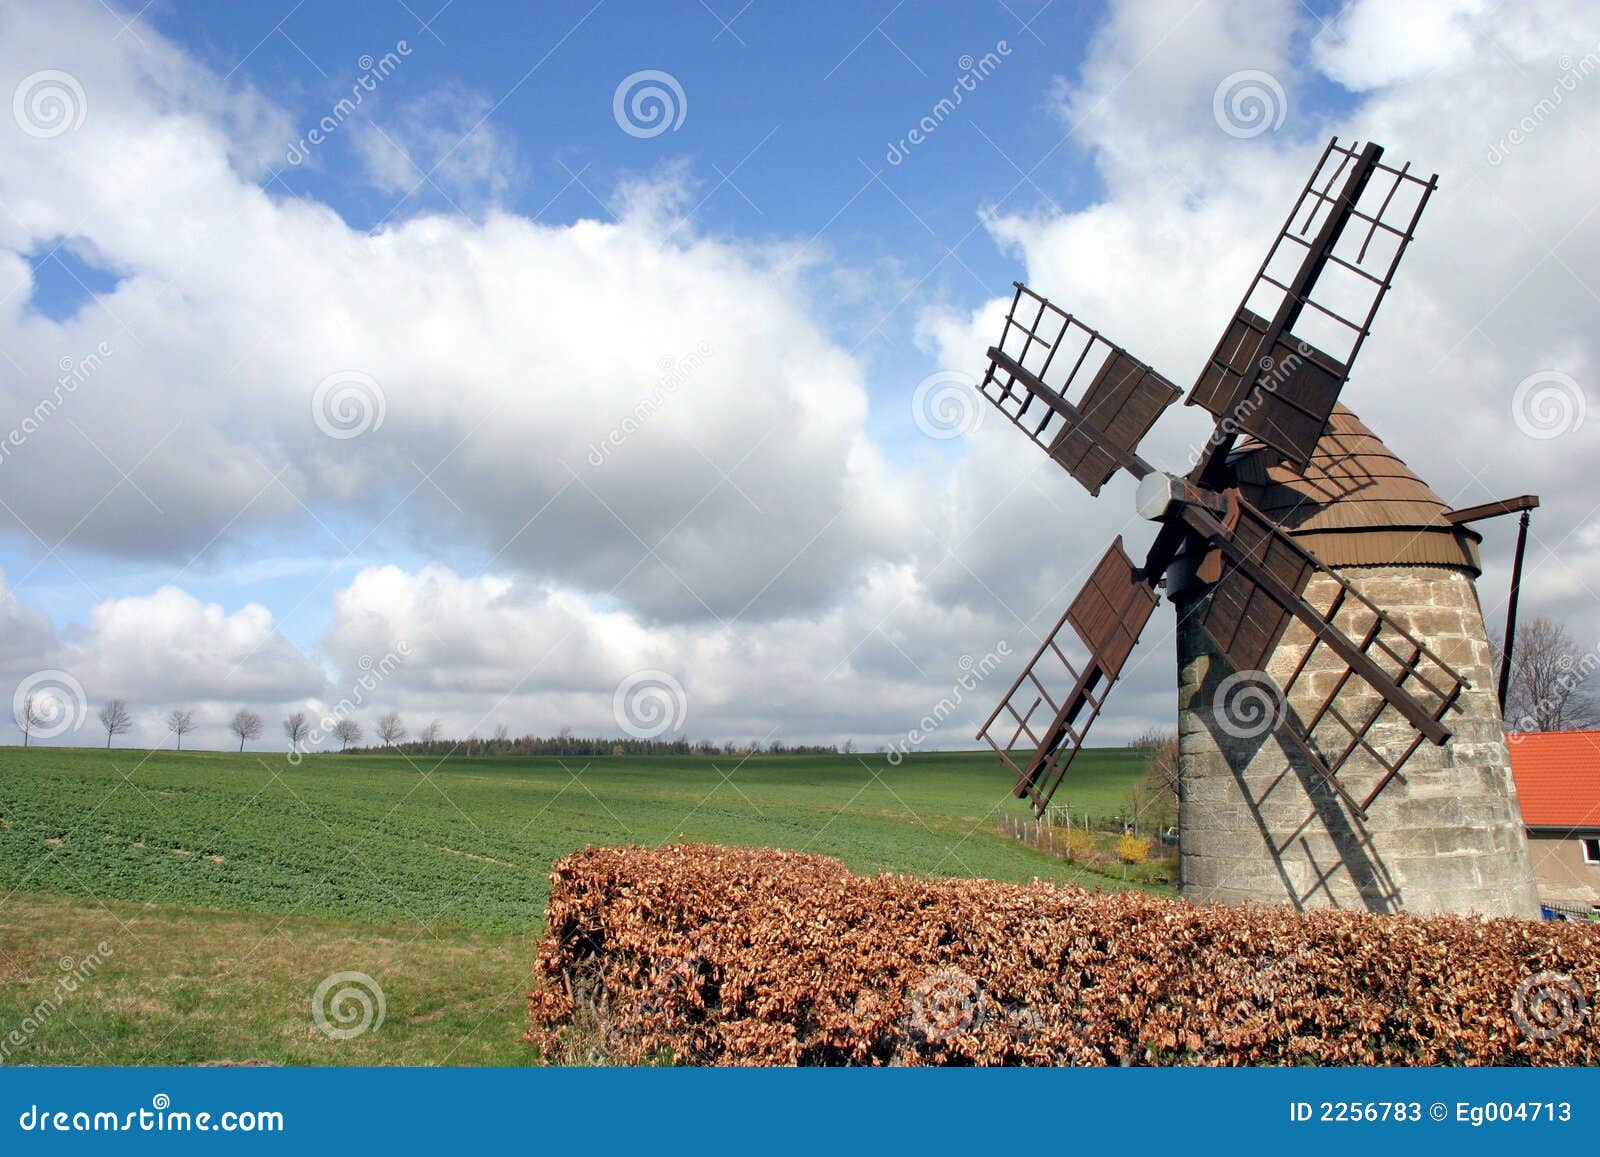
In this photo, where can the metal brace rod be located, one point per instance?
(1523, 504)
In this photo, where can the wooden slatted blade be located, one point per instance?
(1041, 722)
(1288, 351)
(1083, 400)
(1111, 610)
(1288, 404)
(1261, 591)
(1245, 621)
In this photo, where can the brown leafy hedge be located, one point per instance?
(711, 955)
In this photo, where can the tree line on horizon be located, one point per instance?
(394, 735)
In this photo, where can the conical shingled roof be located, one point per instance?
(1355, 503)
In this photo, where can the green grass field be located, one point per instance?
(228, 886)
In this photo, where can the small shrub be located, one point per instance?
(1080, 845)
(1133, 849)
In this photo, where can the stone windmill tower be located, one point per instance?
(1340, 743)
(1259, 824)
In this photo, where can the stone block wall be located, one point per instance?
(1259, 824)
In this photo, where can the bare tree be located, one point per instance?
(115, 719)
(347, 731)
(246, 724)
(1160, 765)
(430, 733)
(502, 733)
(295, 728)
(36, 712)
(391, 728)
(1550, 688)
(180, 721)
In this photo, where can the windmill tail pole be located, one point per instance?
(1511, 610)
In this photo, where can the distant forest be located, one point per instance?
(576, 745)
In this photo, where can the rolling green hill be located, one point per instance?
(216, 875)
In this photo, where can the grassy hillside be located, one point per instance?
(470, 842)
(230, 885)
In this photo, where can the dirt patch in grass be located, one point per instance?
(470, 856)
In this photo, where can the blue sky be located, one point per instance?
(486, 248)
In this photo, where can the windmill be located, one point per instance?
(1340, 743)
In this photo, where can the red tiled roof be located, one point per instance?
(1558, 777)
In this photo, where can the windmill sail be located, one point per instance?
(1287, 353)
(1043, 719)
(1044, 357)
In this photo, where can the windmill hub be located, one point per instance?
(1161, 496)
(1310, 561)
(1155, 496)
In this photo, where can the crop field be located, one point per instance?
(226, 887)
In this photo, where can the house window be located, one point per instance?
(1591, 849)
